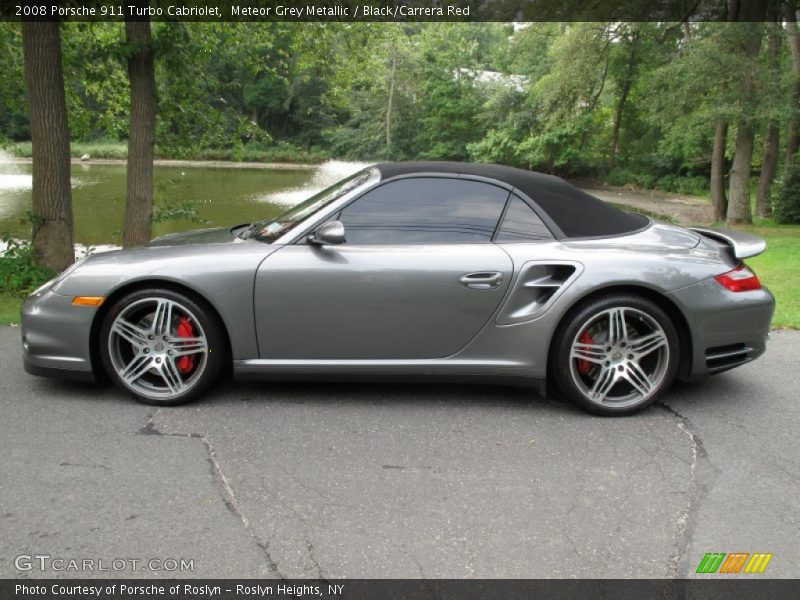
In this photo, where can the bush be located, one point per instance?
(786, 207)
(283, 152)
(680, 184)
(19, 273)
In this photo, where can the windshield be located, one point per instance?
(270, 230)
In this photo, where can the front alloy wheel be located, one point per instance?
(616, 355)
(161, 346)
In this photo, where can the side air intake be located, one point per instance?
(720, 358)
(539, 283)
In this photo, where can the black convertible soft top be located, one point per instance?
(575, 212)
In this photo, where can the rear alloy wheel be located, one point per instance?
(161, 346)
(616, 355)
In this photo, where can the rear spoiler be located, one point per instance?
(743, 245)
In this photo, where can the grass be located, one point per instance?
(117, 150)
(9, 308)
(279, 153)
(779, 269)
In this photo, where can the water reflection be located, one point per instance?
(325, 176)
(221, 196)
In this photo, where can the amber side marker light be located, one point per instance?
(88, 300)
(741, 279)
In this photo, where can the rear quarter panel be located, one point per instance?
(655, 259)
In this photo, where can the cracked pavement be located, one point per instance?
(345, 480)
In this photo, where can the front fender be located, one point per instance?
(222, 274)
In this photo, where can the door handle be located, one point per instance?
(481, 280)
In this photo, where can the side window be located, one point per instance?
(425, 210)
(521, 224)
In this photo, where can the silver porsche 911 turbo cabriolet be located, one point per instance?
(405, 271)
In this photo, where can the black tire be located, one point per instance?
(203, 321)
(583, 367)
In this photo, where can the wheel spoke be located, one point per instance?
(131, 333)
(617, 329)
(592, 352)
(635, 375)
(162, 319)
(171, 376)
(184, 346)
(147, 352)
(138, 366)
(603, 384)
(644, 345)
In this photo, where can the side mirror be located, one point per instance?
(331, 232)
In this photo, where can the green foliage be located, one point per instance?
(9, 309)
(99, 149)
(633, 103)
(786, 208)
(680, 184)
(170, 210)
(177, 211)
(13, 109)
(19, 273)
(280, 152)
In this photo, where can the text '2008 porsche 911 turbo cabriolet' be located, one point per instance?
(432, 270)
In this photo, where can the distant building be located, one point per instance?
(518, 83)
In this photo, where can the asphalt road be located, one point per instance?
(310, 480)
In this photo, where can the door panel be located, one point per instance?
(375, 302)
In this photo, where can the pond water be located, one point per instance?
(222, 196)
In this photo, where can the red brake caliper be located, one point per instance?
(185, 329)
(583, 364)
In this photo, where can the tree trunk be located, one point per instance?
(739, 205)
(390, 107)
(793, 39)
(739, 210)
(718, 198)
(772, 143)
(141, 142)
(623, 98)
(47, 109)
(768, 168)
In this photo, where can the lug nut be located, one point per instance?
(158, 360)
(630, 356)
(146, 350)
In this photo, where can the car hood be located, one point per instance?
(215, 235)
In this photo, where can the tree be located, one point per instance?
(13, 108)
(631, 38)
(769, 164)
(47, 109)
(390, 100)
(793, 40)
(747, 45)
(718, 198)
(141, 142)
